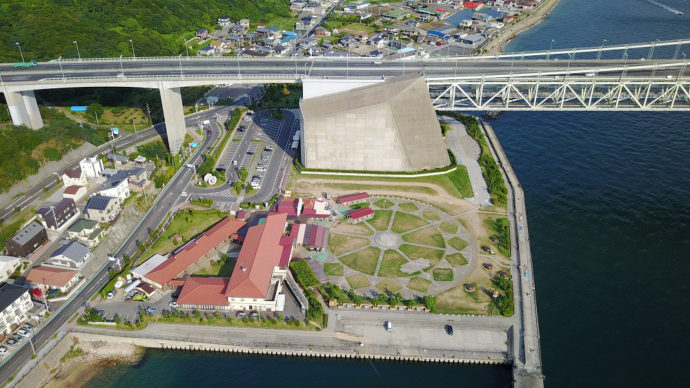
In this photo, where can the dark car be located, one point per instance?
(241, 128)
(449, 329)
(209, 132)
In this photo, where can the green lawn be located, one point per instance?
(404, 222)
(340, 244)
(456, 259)
(384, 203)
(220, 268)
(358, 281)
(431, 215)
(427, 236)
(443, 274)
(187, 223)
(448, 228)
(414, 252)
(408, 207)
(333, 269)
(363, 28)
(458, 243)
(381, 219)
(363, 261)
(346, 227)
(419, 284)
(388, 285)
(390, 264)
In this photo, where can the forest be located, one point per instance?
(46, 29)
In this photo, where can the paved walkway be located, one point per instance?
(467, 152)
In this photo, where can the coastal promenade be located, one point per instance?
(527, 366)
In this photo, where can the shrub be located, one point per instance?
(304, 274)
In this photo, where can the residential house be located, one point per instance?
(473, 40)
(47, 278)
(348, 41)
(86, 232)
(74, 176)
(56, 215)
(244, 23)
(117, 159)
(223, 21)
(219, 46)
(74, 192)
(207, 50)
(8, 264)
(321, 31)
(70, 255)
(116, 186)
(15, 304)
(102, 209)
(201, 33)
(27, 240)
(353, 199)
(92, 167)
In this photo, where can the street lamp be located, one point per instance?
(20, 50)
(78, 54)
(132, 43)
(601, 48)
(548, 55)
(63, 73)
(180, 59)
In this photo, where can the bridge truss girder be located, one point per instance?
(583, 93)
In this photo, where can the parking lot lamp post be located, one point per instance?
(133, 53)
(548, 54)
(78, 53)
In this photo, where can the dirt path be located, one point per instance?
(495, 45)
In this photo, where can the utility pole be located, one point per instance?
(78, 54)
(20, 50)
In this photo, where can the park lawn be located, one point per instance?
(427, 236)
(408, 207)
(364, 260)
(388, 285)
(448, 228)
(358, 281)
(333, 269)
(431, 215)
(456, 259)
(414, 252)
(358, 27)
(458, 243)
(443, 274)
(346, 227)
(218, 268)
(391, 263)
(384, 203)
(340, 244)
(381, 219)
(187, 223)
(404, 222)
(419, 284)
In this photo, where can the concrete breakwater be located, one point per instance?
(345, 350)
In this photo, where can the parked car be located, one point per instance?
(110, 295)
(268, 148)
(449, 329)
(28, 326)
(241, 315)
(254, 315)
(3, 350)
(150, 310)
(173, 304)
(388, 325)
(23, 333)
(242, 128)
(11, 341)
(209, 132)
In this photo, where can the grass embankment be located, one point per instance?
(404, 222)
(331, 291)
(490, 170)
(283, 96)
(364, 260)
(187, 224)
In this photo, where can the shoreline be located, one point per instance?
(498, 43)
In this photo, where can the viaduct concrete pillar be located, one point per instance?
(173, 112)
(24, 109)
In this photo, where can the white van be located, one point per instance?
(388, 325)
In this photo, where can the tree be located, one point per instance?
(286, 92)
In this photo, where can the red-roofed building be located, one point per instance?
(193, 251)
(359, 215)
(352, 199)
(74, 176)
(204, 293)
(256, 279)
(473, 5)
(314, 208)
(48, 277)
(290, 206)
(75, 192)
(313, 237)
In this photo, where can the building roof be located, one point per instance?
(74, 173)
(359, 213)
(28, 232)
(204, 291)
(145, 288)
(315, 208)
(73, 251)
(79, 225)
(58, 207)
(353, 197)
(194, 250)
(99, 202)
(9, 293)
(260, 253)
(73, 189)
(49, 276)
(289, 206)
(149, 265)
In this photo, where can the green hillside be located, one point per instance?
(47, 28)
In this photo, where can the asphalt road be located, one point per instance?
(229, 68)
(50, 182)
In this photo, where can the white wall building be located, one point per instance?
(15, 304)
(92, 167)
(8, 264)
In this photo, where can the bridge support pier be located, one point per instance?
(24, 109)
(173, 112)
